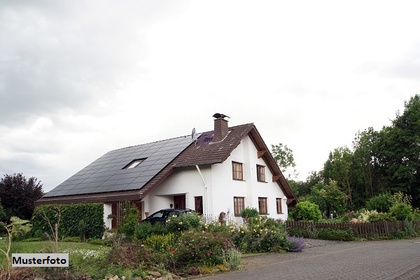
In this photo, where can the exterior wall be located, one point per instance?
(225, 188)
(185, 181)
(218, 188)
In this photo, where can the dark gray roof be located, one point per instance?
(107, 174)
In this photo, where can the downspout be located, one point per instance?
(205, 190)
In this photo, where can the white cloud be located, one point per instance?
(78, 78)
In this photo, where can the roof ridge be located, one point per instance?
(153, 142)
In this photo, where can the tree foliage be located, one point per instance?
(339, 168)
(284, 158)
(381, 161)
(329, 198)
(18, 195)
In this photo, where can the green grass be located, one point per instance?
(73, 248)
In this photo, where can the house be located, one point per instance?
(224, 170)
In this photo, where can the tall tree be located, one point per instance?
(369, 177)
(339, 168)
(18, 195)
(400, 148)
(285, 159)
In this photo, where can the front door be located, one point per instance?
(198, 204)
(179, 201)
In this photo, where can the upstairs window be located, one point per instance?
(237, 171)
(134, 163)
(260, 173)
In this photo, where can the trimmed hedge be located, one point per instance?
(72, 215)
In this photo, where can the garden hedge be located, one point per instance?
(72, 217)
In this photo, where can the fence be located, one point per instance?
(361, 230)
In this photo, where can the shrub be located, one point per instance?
(323, 233)
(260, 234)
(183, 222)
(381, 217)
(143, 230)
(401, 211)
(232, 258)
(20, 228)
(302, 232)
(367, 216)
(336, 234)
(297, 244)
(160, 243)
(381, 202)
(202, 248)
(249, 213)
(307, 211)
(130, 222)
(347, 217)
(71, 239)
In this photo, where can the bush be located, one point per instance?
(130, 222)
(297, 244)
(324, 233)
(307, 211)
(401, 211)
(20, 228)
(202, 248)
(71, 239)
(183, 222)
(347, 217)
(336, 234)
(160, 243)
(260, 234)
(381, 217)
(143, 230)
(381, 202)
(249, 213)
(301, 232)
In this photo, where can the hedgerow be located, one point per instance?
(70, 217)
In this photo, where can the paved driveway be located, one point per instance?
(382, 260)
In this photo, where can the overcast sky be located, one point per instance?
(81, 78)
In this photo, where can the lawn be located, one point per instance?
(73, 248)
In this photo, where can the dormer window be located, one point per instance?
(134, 163)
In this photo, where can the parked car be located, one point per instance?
(162, 215)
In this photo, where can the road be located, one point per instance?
(382, 260)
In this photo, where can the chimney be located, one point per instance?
(220, 127)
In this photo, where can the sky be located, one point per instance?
(81, 78)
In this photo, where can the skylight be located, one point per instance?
(134, 163)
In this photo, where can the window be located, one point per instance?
(134, 163)
(237, 170)
(238, 205)
(262, 205)
(278, 206)
(260, 173)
